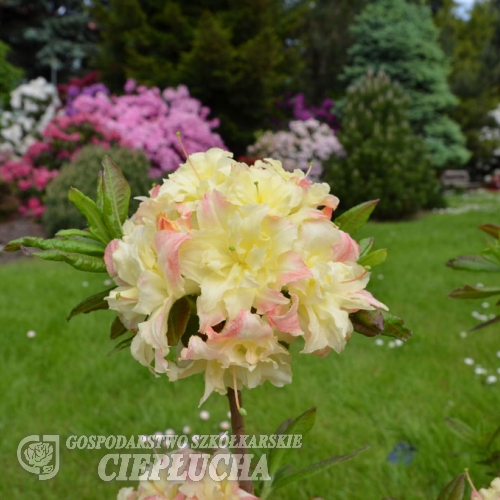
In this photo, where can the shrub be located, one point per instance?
(82, 174)
(306, 144)
(384, 159)
(9, 75)
(9, 203)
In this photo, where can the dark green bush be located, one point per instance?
(9, 203)
(383, 159)
(82, 174)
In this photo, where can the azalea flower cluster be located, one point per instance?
(148, 119)
(306, 144)
(33, 105)
(199, 483)
(260, 262)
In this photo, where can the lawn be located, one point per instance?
(61, 382)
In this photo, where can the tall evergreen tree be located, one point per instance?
(401, 39)
(47, 35)
(9, 75)
(233, 56)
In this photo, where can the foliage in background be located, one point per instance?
(82, 174)
(402, 40)
(9, 75)
(468, 42)
(384, 159)
(31, 107)
(233, 56)
(306, 145)
(46, 34)
(324, 38)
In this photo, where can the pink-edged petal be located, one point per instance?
(292, 268)
(209, 209)
(267, 299)
(167, 244)
(286, 319)
(347, 250)
(246, 326)
(372, 300)
(108, 258)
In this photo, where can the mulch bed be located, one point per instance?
(14, 228)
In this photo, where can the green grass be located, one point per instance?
(60, 382)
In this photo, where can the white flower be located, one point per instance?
(469, 361)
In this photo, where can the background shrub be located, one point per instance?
(82, 174)
(384, 159)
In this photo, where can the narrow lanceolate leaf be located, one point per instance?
(178, 320)
(368, 323)
(472, 263)
(374, 258)
(116, 197)
(117, 329)
(99, 194)
(355, 218)
(464, 431)
(474, 292)
(312, 470)
(95, 302)
(496, 319)
(491, 229)
(365, 245)
(92, 213)
(74, 246)
(454, 490)
(81, 233)
(300, 425)
(77, 260)
(395, 327)
(121, 345)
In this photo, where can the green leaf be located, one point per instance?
(120, 346)
(474, 292)
(491, 229)
(368, 323)
(84, 233)
(93, 303)
(472, 263)
(178, 320)
(496, 319)
(365, 245)
(300, 425)
(395, 327)
(462, 430)
(454, 490)
(355, 218)
(92, 213)
(312, 470)
(374, 258)
(99, 194)
(117, 329)
(72, 246)
(78, 261)
(116, 192)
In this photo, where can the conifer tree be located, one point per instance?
(401, 39)
(383, 158)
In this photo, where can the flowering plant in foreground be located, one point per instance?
(221, 268)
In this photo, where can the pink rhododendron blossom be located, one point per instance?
(148, 119)
(259, 261)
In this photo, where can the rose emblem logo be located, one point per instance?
(39, 454)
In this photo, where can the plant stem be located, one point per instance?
(238, 429)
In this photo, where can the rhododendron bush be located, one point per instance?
(220, 269)
(306, 145)
(145, 118)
